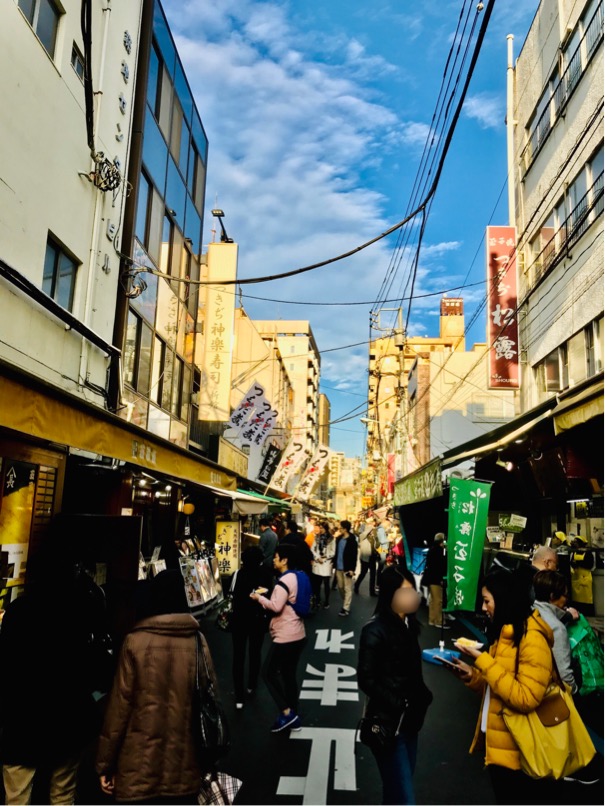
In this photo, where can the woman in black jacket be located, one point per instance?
(390, 674)
(249, 623)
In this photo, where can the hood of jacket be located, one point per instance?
(168, 624)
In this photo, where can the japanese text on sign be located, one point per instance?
(502, 324)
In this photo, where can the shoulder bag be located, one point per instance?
(211, 728)
(224, 616)
(552, 740)
(379, 733)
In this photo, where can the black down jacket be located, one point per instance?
(389, 672)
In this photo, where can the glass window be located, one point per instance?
(156, 224)
(165, 103)
(182, 90)
(167, 380)
(166, 246)
(199, 136)
(155, 152)
(43, 16)
(140, 227)
(77, 61)
(146, 303)
(191, 168)
(200, 185)
(130, 348)
(167, 314)
(193, 227)
(176, 258)
(184, 148)
(176, 128)
(176, 193)
(596, 166)
(185, 394)
(152, 80)
(576, 197)
(191, 270)
(163, 37)
(59, 277)
(177, 382)
(144, 367)
(155, 392)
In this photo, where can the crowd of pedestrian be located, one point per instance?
(147, 736)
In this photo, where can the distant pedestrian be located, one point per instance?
(368, 556)
(514, 673)
(248, 622)
(47, 712)
(432, 578)
(288, 639)
(147, 749)
(551, 592)
(268, 542)
(345, 563)
(304, 555)
(324, 549)
(390, 674)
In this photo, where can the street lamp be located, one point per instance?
(220, 215)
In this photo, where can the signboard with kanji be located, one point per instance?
(502, 321)
(227, 546)
(467, 523)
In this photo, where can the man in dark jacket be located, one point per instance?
(268, 542)
(345, 563)
(436, 569)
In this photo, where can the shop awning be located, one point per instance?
(243, 503)
(318, 513)
(46, 413)
(422, 485)
(268, 498)
(579, 408)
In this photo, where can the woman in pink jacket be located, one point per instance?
(288, 639)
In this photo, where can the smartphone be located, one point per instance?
(447, 663)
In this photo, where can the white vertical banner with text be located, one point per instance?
(217, 351)
(292, 460)
(313, 472)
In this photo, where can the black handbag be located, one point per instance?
(211, 725)
(379, 733)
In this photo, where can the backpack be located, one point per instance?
(302, 604)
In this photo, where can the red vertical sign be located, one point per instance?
(502, 323)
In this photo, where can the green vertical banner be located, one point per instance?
(467, 521)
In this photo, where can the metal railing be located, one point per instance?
(588, 209)
(564, 89)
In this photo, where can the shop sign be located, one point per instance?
(144, 452)
(467, 524)
(421, 486)
(494, 534)
(227, 546)
(512, 523)
(502, 320)
(313, 472)
(289, 464)
(232, 458)
(16, 510)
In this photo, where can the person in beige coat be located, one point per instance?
(147, 748)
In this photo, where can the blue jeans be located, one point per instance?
(397, 768)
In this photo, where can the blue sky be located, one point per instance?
(316, 115)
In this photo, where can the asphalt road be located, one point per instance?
(323, 764)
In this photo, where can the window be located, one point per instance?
(137, 353)
(152, 81)
(159, 349)
(593, 335)
(77, 62)
(59, 275)
(555, 372)
(43, 16)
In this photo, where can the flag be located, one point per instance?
(247, 405)
(293, 457)
(313, 472)
(467, 522)
(270, 462)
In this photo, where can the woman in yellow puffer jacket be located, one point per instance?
(515, 672)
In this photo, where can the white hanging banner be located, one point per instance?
(292, 459)
(313, 472)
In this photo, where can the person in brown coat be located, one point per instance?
(147, 749)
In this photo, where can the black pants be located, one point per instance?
(316, 581)
(279, 673)
(253, 639)
(370, 565)
(514, 787)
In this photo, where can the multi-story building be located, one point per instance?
(298, 349)
(418, 406)
(556, 124)
(344, 481)
(66, 134)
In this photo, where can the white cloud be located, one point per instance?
(487, 109)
